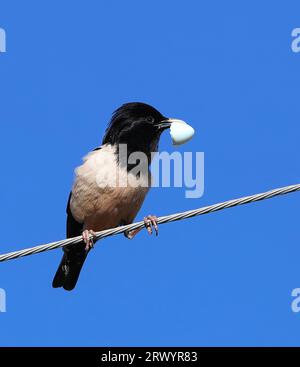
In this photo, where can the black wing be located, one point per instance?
(74, 228)
(74, 256)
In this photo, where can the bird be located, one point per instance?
(96, 201)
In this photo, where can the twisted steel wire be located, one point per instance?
(161, 220)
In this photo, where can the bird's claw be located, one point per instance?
(151, 221)
(88, 238)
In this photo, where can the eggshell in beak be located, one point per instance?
(181, 132)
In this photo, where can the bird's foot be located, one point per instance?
(88, 238)
(150, 221)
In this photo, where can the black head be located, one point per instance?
(136, 124)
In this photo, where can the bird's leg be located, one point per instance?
(88, 238)
(150, 220)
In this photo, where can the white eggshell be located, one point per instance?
(181, 132)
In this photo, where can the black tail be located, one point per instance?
(74, 257)
(69, 269)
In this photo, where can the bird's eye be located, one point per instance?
(150, 119)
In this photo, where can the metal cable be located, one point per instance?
(161, 220)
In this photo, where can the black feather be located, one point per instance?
(74, 256)
(134, 124)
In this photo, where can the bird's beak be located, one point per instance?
(166, 124)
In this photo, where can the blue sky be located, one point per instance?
(225, 67)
